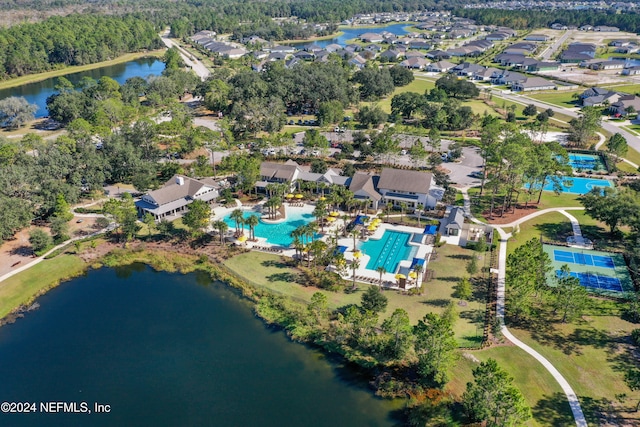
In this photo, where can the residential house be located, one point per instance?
(485, 74)
(542, 66)
(173, 198)
(278, 173)
(607, 65)
(405, 186)
(437, 55)
(455, 231)
(537, 37)
(371, 38)
(606, 28)
(440, 67)
(417, 44)
(631, 71)
(415, 63)
(497, 37)
(303, 55)
(578, 52)
(507, 78)
(558, 26)
(597, 96)
(452, 224)
(414, 54)
(466, 69)
(533, 83)
(510, 60)
(358, 61)
(333, 47)
(390, 55)
(620, 107)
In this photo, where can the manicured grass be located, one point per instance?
(479, 107)
(633, 156)
(626, 167)
(268, 270)
(592, 354)
(418, 85)
(631, 89)
(561, 98)
(551, 226)
(18, 81)
(20, 288)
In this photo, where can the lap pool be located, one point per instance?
(388, 251)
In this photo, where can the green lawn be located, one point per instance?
(418, 85)
(561, 98)
(268, 270)
(633, 156)
(552, 226)
(20, 288)
(631, 89)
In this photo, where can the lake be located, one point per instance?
(352, 33)
(168, 350)
(38, 92)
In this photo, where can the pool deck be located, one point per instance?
(424, 252)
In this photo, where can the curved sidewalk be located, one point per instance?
(574, 403)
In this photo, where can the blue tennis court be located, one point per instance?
(596, 281)
(583, 259)
(586, 162)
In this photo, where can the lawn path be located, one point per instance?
(574, 403)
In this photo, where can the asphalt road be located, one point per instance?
(549, 51)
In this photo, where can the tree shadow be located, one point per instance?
(448, 279)
(554, 410)
(555, 231)
(438, 302)
(475, 316)
(282, 277)
(273, 263)
(460, 256)
(542, 331)
(22, 251)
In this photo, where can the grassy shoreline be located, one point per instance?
(33, 78)
(314, 39)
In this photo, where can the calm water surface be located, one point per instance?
(38, 92)
(171, 350)
(352, 33)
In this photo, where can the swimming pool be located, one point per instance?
(388, 251)
(276, 234)
(580, 185)
(586, 162)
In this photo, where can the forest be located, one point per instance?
(522, 19)
(72, 40)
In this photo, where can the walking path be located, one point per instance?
(578, 238)
(574, 403)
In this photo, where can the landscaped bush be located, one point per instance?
(635, 336)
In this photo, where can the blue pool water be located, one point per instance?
(276, 234)
(387, 252)
(580, 185)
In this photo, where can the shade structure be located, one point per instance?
(357, 254)
(400, 276)
(299, 196)
(242, 238)
(331, 218)
(413, 275)
(289, 196)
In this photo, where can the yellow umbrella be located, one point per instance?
(289, 196)
(357, 254)
(331, 219)
(322, 198)
(400, 276)
(413, 275)
(371, 227)
(299, 196)
(376, 221)
(334, 213)
(242, 238)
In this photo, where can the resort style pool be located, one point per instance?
(586, 162)
(388, 251)
(276, 234)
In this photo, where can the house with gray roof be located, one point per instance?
(440, 66)
(371, 38)
(415, 63)
(533, 83)
(406, 186)
(455, 231)
(171, 201)
(364, 186)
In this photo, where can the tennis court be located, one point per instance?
(586, 162)
(596, 281)
(601, 272)
(583, 259)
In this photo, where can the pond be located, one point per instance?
(166, 350)
(38, 92)
(398, 29)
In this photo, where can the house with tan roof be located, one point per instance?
(364, 185)
(171, 201)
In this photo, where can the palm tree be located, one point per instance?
(355, 264)
(345, 222)
(222, 228)
(316, 249)
(320, 212)
(252, 221)
(354, 233)
(310, 231)
(381, 270)
(238, 216)
(388, 207)
(298, 245)
(403, 207)
(418, 269)
(419, 209)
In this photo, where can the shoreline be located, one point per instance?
(34, 78)
(313, 39)
(409, 24)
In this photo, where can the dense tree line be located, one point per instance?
(523, 19)
(71, 40)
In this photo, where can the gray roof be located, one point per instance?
(172, 191)
(536, 82)
(365, 182)
(455, 218)
(272, 170)
(405, 180)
